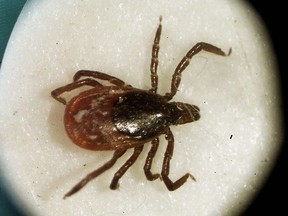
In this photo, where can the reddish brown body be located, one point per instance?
(101, 118)
(88, 120)
(118, 117)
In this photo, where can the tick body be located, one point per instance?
(118, 116)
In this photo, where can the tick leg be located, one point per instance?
(57, 92)
(117, 154)
(149, 160)
(114, 183)
(176, 79)
(166, 165)
(154, 58)
(98, 75)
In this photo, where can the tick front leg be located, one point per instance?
(117, 154)
(114, 183)
(98, 75)
(166, 165)
(176, 78)
(149, 160)
(154, 58)
(57, 92)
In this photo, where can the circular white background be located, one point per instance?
(230, 150)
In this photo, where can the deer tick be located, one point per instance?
(118, 116)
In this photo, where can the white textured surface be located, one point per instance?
(237, 96)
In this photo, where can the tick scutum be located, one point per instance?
(141, 114)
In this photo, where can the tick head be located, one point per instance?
(183, 113)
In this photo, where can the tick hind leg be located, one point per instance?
(154, 59)
(98, 75)
(57, 92)
(114, 183)
(176, 78)
(117, 154)
(166, 165)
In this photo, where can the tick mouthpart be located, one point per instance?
(195, 111)
(188, 113)
(191, 112)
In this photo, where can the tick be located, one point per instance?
(117, 117)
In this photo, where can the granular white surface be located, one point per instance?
(230, 150)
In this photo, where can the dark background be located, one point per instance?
(271, 199)
(9, 11)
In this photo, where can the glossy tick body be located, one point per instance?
(118, 116)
